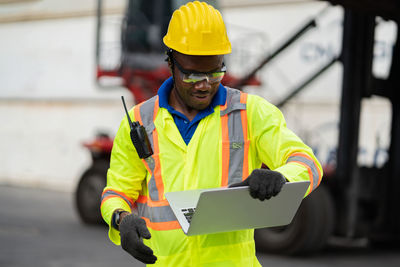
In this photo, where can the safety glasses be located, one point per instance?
(191, 77)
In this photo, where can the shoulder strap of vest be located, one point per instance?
(158, 216)
(147, 112)
(232, 101)
(235, 144)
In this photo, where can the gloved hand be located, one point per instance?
(132, 228)
(263, 183)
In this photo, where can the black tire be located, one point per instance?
(88, 193)
(308, 232)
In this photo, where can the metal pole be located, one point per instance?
(357, 54)
(98, 31)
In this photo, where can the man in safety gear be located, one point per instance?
(203, 135)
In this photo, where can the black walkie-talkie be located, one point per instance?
(139, 137)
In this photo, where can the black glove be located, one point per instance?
(132, 228)
(263, 183)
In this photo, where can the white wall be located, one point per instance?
(50, 103)
(41, 141)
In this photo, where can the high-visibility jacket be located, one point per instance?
(226, 146)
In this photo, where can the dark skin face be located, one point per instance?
(189, 99)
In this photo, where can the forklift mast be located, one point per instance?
(366, 199)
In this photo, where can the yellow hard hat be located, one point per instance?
(197, 28)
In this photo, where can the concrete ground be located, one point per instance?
(41, 228)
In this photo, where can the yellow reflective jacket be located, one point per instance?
(226, 146)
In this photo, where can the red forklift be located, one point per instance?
(352, 201)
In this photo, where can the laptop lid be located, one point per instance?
(230, 209)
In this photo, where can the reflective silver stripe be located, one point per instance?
(151, 163)
(309, 163)
(113, 193)
(235, 133)
(147, 116)
(156, 214)
(153, 190)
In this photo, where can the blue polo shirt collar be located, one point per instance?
(165, 90)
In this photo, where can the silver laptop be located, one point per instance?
(206, 211)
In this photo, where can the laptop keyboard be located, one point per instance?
(188, 212)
